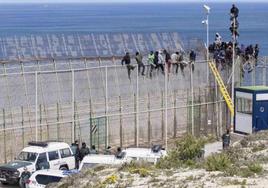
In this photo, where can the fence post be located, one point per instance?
(120, 119)
(40, 121)
(36, 106)
(149, 120)
(106, 107)
(90, 120)
(162, 116)
(22, 125)
(73, 110)
(4, 126)
(175, 114)
(58, 120)
(135, 120)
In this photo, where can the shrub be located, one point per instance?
(189, 147)
(110, 179)
(255, 168)
(217, 162)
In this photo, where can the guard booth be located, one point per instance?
(251, 109)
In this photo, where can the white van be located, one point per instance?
(37, 156)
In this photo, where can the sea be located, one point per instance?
(184, 18)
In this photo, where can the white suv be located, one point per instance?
(37, 156)
(41, 178)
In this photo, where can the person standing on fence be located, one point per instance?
(127, 60)
(175, 61)
(192, 58)
(83, 151)
(161, 61)
(151, 62)
(138, 58)
(168, 60)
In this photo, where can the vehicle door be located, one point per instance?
(42, 162)
(54, 159)
(67, 158)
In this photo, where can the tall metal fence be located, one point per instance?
(95, 102)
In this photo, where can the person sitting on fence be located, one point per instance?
(182, 63)
(83, 151)
(256, 52)
(127, 60)
(175, 61)
(138, 58)
(151, 62)
(234, 11)
(167, 60)
(218, 41)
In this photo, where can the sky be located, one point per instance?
(120, 1)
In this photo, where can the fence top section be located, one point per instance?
(60, 46)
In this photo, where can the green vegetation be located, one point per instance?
(186, 153)
(217, 162)
(137, 167)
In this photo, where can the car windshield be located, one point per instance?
(27, 156)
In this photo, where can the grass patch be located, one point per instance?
(218, 162)
(142, 168)
(234, 182)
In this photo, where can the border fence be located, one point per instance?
(92, 99)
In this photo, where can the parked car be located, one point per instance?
(37, 156)
(125, 156)
(41, 178)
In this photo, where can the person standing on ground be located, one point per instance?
(25, 175)
(76, 152)
(138, 58)
(226, 138)
(127, 60)
(168, 60)
(192, 58)
(83, 151)
(151, 62)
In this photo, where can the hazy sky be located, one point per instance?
(120, 1)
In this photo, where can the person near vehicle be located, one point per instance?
(83, 151)
(167, 59)
(226, 139)
(93, 150)
(175, 61)
(127, 60)
(25, 175)
(76, 151)
(192, 58)
(108, 151)
(151, 63)
(138, 58)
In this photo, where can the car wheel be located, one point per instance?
(4, 183)
(63, 168)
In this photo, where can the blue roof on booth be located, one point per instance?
(253, 88)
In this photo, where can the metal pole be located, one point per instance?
(207, 47)
(233, 76)
(137, 106)
(192, 96)
(73, 110)
(106, 105)
(36, 106)
(166, 101)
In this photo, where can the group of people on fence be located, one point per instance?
(158, 61)
(222, 52)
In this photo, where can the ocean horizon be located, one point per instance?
(184, 18)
